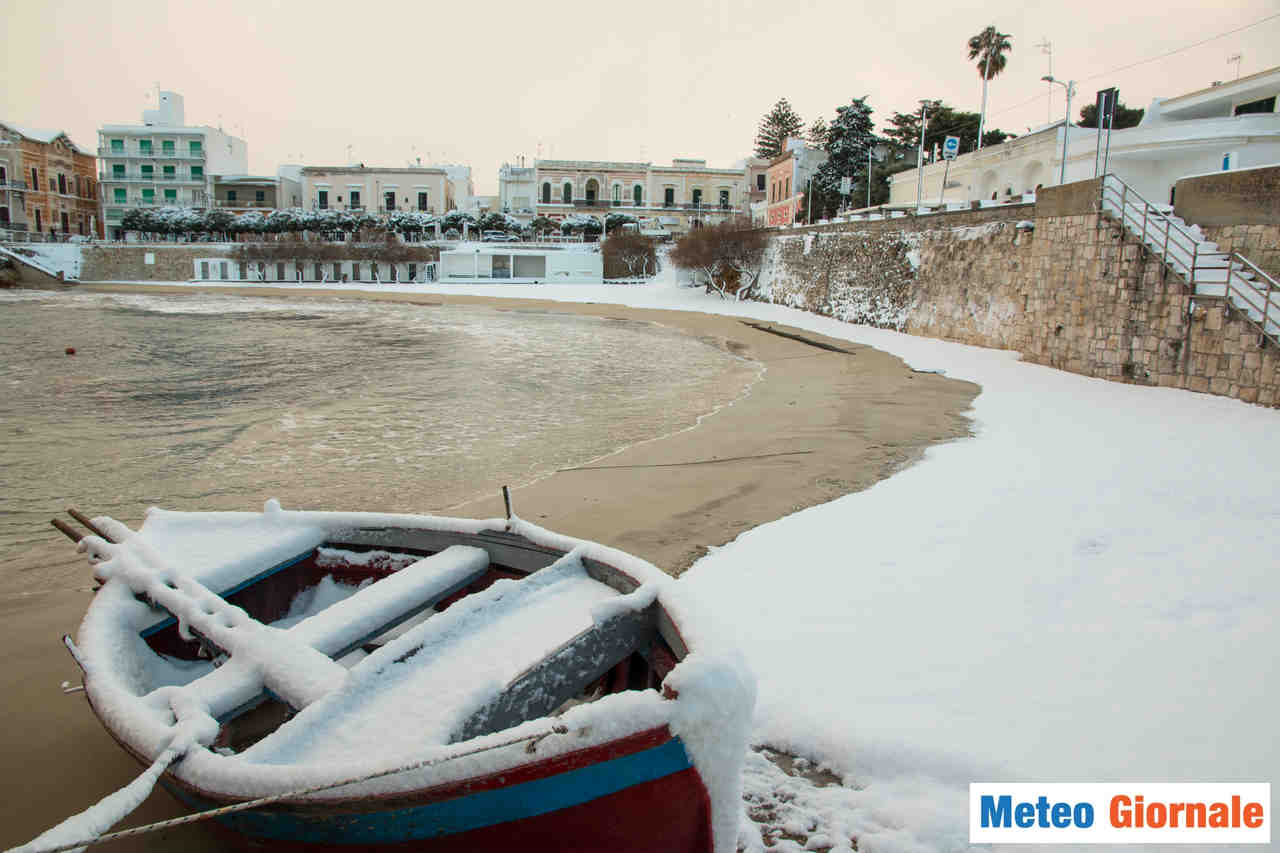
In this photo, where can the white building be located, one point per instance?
(163, 161)
(488, 262)
(375, 189)
(517, 191)
(462, 191)
(1233, 125)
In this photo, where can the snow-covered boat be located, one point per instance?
(362, 680)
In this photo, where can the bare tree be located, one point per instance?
(725, 258)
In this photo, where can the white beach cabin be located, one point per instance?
(516, 263)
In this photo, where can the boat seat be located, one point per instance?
(296, 665)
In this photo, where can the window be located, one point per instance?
(170, 196)
(1266, 105)
(120, 195)
(62, 184)
(166, 147)
(355, 200)
(222, 269)
(422, 201)
(35, 178)
(170, 173)
(724, 199)
(117, 171)
(787, 192)
(389, 200)
(148, 171)
(231, 195)
(337, 271)
(592, 190)
(637, 195)
(322, 199)
(4, 216)
(355, 272)
(394, 271)
(197, 173)
(4, 175)
(280, 271)
(144, 147)
(204, 269)
(697, 196)
(617, 194)
(148, 196)
(669, 197)
(193, 147)
(760, 183)
(413, 271)
(66, 224)
(260, 195)
(319, 272)
(38, 229)
(546, 192)
(117, 146)
(567, 193)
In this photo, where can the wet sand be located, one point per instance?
(819, 424)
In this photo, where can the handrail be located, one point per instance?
(1181, 251)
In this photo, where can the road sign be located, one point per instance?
(846, 185)
(951, 147)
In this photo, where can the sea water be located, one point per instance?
(206, 401)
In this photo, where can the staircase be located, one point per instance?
(1183, 249)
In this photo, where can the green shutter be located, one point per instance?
(121, 195)
(167, 146)
(170, 195)
(117, 146)
(194, 146)
(169, 172)
(148, 171)
(144, 146)
(117, 170)
(148, 196)
(197, 172)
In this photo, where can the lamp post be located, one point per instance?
(1070, 86)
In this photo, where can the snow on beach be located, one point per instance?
(1082, 591)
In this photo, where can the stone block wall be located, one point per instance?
(1076, 293)
(123, 262)
(1240, 197)
(1258, 243)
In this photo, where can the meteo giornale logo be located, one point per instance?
(1120, 813)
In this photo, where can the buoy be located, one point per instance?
(71, 350)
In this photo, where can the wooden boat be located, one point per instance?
(361, 680)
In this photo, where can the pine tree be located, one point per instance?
(779, 123)
(817, 133)
(849, 137)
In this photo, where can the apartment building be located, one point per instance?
(163, 161)
(242, 193)
(377, 190)
(786, 179)
(47, 184)
(672, 198)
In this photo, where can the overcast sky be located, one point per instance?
(484, 82)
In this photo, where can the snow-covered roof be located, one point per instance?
(41, 135)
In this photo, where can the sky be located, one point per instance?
(486, 83)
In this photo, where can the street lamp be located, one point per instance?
(1070, 86)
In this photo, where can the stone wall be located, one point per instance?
(1075, 293)
(1241, 197)
(123, 262)
(1258, 243)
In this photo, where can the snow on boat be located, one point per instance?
(488, 685)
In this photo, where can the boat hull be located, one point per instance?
(633, 795)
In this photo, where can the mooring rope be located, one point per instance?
(276, 798)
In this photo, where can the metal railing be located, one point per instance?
(138, 152)
(1209, 272)
(13, 185)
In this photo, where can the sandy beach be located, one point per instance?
(826, 418)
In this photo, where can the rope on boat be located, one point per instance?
(248, 805)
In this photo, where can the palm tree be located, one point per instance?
(989, 48)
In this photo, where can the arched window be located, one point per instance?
(593, 191)
(546, 192)
(669, 196)
(697, 196)
(637, 193)
(567, 193)
(617, 194)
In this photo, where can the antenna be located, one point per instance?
(1046, 46)
(1236, 58)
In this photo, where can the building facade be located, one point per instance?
(669, 199)
(163, 161)
(47, 184)
(517, 191)
(786, 179)
(1226, 126)
(377, 190)
(242, 193)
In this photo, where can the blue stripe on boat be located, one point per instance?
(292, 561)
(462, 814)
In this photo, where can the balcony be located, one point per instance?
(153, 155)
(257, 205)
(696, 207)
(16, 186)
(113, 178)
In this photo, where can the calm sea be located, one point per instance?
(200, 401)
